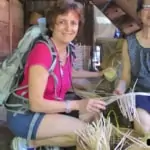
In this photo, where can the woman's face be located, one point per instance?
(66, 27)
(145, 16)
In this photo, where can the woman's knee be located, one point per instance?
(144, 116)
(89, 117)
(143, 124)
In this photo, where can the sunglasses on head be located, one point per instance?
(146, 6)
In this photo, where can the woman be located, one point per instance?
(64, 20)
(136, 66)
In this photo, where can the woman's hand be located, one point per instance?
(91, 105)
(121, 88)
(117, 92)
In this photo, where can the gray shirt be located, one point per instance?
(140, 62)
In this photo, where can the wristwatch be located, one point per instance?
(68, 108)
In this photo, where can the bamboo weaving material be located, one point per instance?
(99, 134)
(126, 102)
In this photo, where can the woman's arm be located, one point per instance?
(85, 74)
(126, 71)
(126, 68)
(38, 77)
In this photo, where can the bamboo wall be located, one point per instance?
(11, 25)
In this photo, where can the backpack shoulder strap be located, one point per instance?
(52, 51)
(71, 49)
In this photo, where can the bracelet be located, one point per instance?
(68, 108)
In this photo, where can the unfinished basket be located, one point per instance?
(102, 135)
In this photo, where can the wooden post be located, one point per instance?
(10, 26)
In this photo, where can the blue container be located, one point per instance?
(117, 33)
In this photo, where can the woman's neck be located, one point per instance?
(61, 47)
(145, 32)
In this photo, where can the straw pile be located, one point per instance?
(95, 136)
(100, 135)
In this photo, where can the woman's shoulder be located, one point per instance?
(131, 36)
(40, 48)
(40, 54)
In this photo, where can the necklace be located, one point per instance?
(62, 58)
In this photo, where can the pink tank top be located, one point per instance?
(40, 55)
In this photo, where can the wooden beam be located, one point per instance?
(126, 6)
(122, 13)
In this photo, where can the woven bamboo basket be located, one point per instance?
(103, 135)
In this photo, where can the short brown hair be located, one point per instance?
(61, 7)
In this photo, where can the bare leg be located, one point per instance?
(57, 130)
(60, 141)
(89, 117)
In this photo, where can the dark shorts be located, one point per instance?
(143, 102)
(19, 124)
